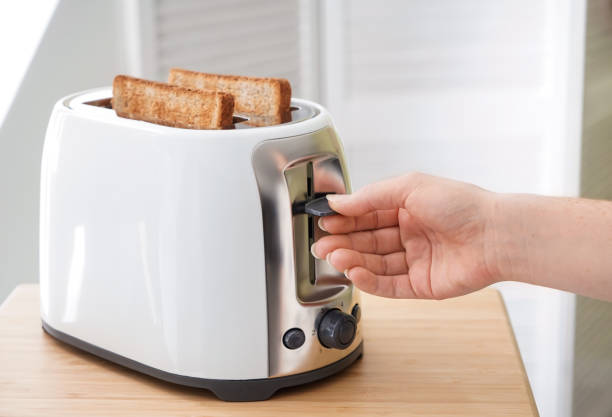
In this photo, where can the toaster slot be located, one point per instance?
(300, 184)
(308, 182)
(301, 180)
(311, 224)
(104, 102)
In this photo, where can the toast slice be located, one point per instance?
(267, 98)
(171, 105)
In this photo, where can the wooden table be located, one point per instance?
(422, 358)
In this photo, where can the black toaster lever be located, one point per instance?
(319, 207)
(316, 207)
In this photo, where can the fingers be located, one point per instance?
(380, 241)
(373, 220)
(391, 264)
(391, 286)
(385, 275)
(384, 195)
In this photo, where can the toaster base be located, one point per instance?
(224, 389)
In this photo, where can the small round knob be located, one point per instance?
(294, 338)
(337, 329)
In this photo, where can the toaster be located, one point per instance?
(185, 254)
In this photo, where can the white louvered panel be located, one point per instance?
(260, 38)
(440, 44)
(481, 91)
(450, 85)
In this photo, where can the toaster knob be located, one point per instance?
(337, 329)
(294, 338)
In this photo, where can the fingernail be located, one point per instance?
(335, 198)
(312, 250)
(328, 258)
(346, 271)
(321, 226)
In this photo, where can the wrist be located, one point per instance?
(505, 241)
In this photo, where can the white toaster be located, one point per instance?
(185, 254)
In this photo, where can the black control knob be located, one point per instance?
(337, 329)
(294, 338)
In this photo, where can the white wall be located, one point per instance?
(80, 50)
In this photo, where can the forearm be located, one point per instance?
(563, 243)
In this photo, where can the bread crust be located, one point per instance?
(171, 105)
(253, 96)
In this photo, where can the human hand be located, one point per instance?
(413, 236)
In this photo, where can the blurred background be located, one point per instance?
(512, 95)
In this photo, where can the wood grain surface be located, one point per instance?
(422, 358)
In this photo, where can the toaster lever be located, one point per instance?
(319, 207)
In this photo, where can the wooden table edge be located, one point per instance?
(532, 403)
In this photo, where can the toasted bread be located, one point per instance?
(253, 96)
(171, 105)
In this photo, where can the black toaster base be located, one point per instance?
(224, 389)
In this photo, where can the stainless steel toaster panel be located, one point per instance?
(299, 288)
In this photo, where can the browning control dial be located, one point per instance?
(337, 329)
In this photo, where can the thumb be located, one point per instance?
(383, 195)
